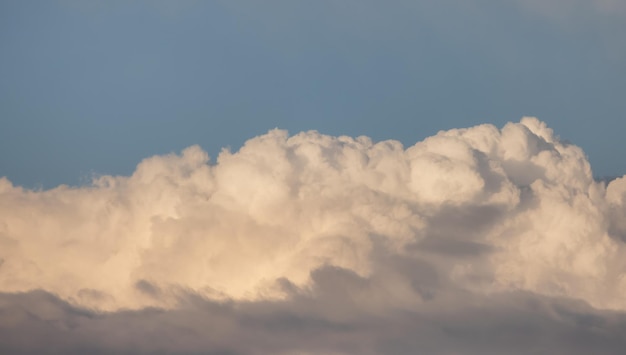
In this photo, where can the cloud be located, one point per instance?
(477, 240)
(324, 321)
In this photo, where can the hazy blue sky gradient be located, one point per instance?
(94, 87)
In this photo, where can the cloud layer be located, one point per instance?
(474, 240)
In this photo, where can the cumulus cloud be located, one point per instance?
(474, 240)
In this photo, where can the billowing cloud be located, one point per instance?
(476, 240)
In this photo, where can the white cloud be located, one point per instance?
(480, 211)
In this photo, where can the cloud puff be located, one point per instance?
(346, 245)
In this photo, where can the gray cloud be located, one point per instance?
(325, 321)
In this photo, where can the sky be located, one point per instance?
(93, 87)
(312, 177)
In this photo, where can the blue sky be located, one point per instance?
(94, 87)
